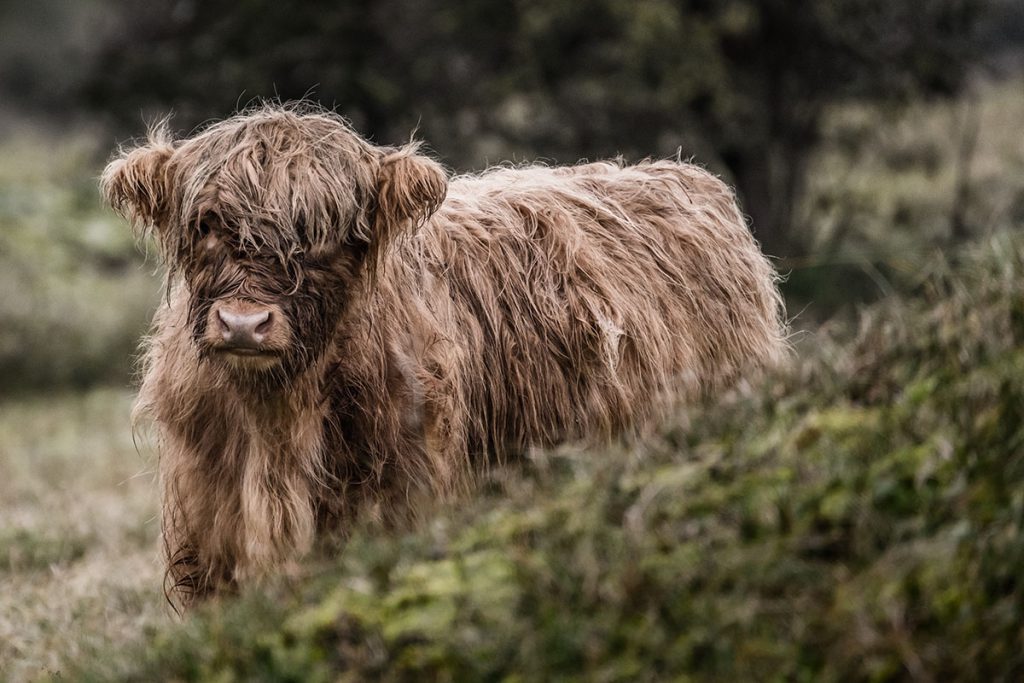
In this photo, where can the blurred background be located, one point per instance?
(863, 136)
(859, 133)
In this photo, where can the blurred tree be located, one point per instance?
(743, 84)
(46, 47)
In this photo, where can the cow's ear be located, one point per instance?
(410, 188)
(136, 184)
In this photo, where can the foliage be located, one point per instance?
(742, 84)
(885, 186)
(76, 295)
(886, 182)
(860, 518)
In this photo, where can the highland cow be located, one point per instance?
(346, 329)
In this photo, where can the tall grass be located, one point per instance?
(889, 183)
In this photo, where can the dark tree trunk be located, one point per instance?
(970, 128)
(769, 181)
(771, 174)
(753, 183)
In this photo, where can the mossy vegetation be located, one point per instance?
(857, 517)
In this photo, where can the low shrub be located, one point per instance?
(859, 517)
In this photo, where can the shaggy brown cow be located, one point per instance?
(338, 335)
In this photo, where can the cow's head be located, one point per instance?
(270, 220)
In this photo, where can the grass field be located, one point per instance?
(79, 571)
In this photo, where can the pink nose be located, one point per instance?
(245, 330)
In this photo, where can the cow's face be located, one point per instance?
(272, 221)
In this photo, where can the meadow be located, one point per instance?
(856, 516)
(78, 532)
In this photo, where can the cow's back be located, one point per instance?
(562, 303)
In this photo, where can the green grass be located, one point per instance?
(861, 517)
(79, 571)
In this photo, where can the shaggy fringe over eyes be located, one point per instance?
(443, 324)
(284, 180)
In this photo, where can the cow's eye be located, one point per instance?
(206, 238)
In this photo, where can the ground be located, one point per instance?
(79, 570)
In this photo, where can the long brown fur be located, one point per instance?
(432, 325)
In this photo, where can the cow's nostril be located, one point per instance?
(264, 327)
